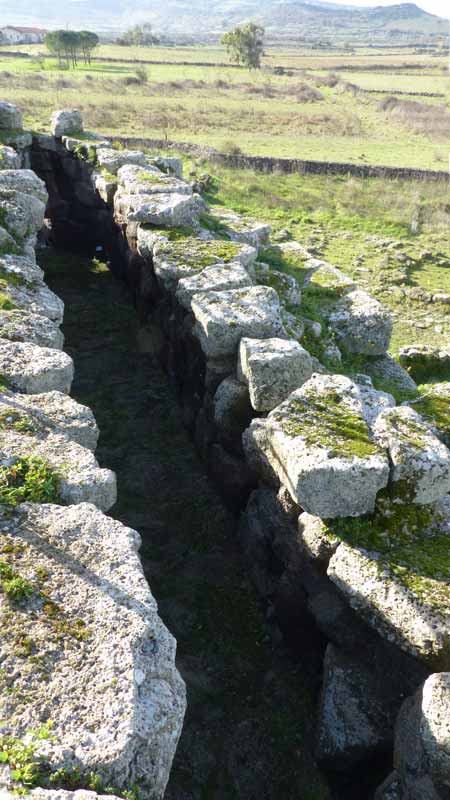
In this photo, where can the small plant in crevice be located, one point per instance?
(28, 479)
(13, 584)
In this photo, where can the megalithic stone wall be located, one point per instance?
(89, 694)
(343, 494)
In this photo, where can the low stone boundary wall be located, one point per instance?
(89, 694)
(267, 164)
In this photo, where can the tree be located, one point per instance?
(139, 35)
(245, 45)
(88, 43)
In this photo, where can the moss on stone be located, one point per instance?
(13, 420)
(408, 541)
(327, 422)
(198, 253)
(29, 479)
(435, 409)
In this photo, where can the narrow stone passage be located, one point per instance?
(249, 727)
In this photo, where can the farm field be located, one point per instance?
(306, 112)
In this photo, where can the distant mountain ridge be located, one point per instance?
(303, 18)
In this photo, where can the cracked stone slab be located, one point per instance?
(318, 443)
(21, 326)
(32, 369)
(53, 412)
(272, 369)
(109, 680)
(223, 318)
(173, 260)
(212, 279)
(81, 480)
(168, 210)
(420, 462)
(150, 180)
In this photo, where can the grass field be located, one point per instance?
(305, 112)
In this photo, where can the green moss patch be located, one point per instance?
(198, 254)
(29, 479)
(328, 422)
(11, 419)
(435, 409)
(12, 584)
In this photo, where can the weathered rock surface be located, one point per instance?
(9, 158)
(318, 443)
(34, 329)
(110, 661)
(240, 229)
(81, 480)
(285, 285)
(223, 318)
(52, 411)
(361, 324)
(388, 371)
(433, 405)
(352, 720)
(32, 369)
(149, 180)
(10, 116)
(420, 462)
(169, 210)
(171, 165)
(272, 369)
(21, 213)
(232, 412)
(66, 122)
(212, 279)
(112, 160)
(422, 751)
(187, 257)
(33, 296)
(425, 361)
(24, 181)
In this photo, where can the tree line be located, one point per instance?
(69, 46)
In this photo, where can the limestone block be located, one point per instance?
(272, 369)
(119, 698)
(433, 405)
(223, 318)
(212, 279)
(66, 122)
(361, 324)
(21, 213)
(25, 181)
(168, 164)
(105, 187)
(112, 160)
(237, 228)
(388, 371)
(7, 242)
(21, 267)
(21, 326)
(422, 753)
(34, 297)
(353, 720)
(10, 116)
(232, 411)
(9, 158)
(168, 210)
(286, 286)
(173, 260)
(420, 462)
(81, 480)
(32, 369)
(328, 278)
(424, 361)
(390, 575)
(320, 447)
(149, 180)
(52, 412)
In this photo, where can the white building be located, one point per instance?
(13, 35)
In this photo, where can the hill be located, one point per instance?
(282, 18)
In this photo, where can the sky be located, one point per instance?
(439, 7)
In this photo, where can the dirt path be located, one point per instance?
(249, 725)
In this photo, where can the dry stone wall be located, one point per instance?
(342, 494)
(89, 694)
